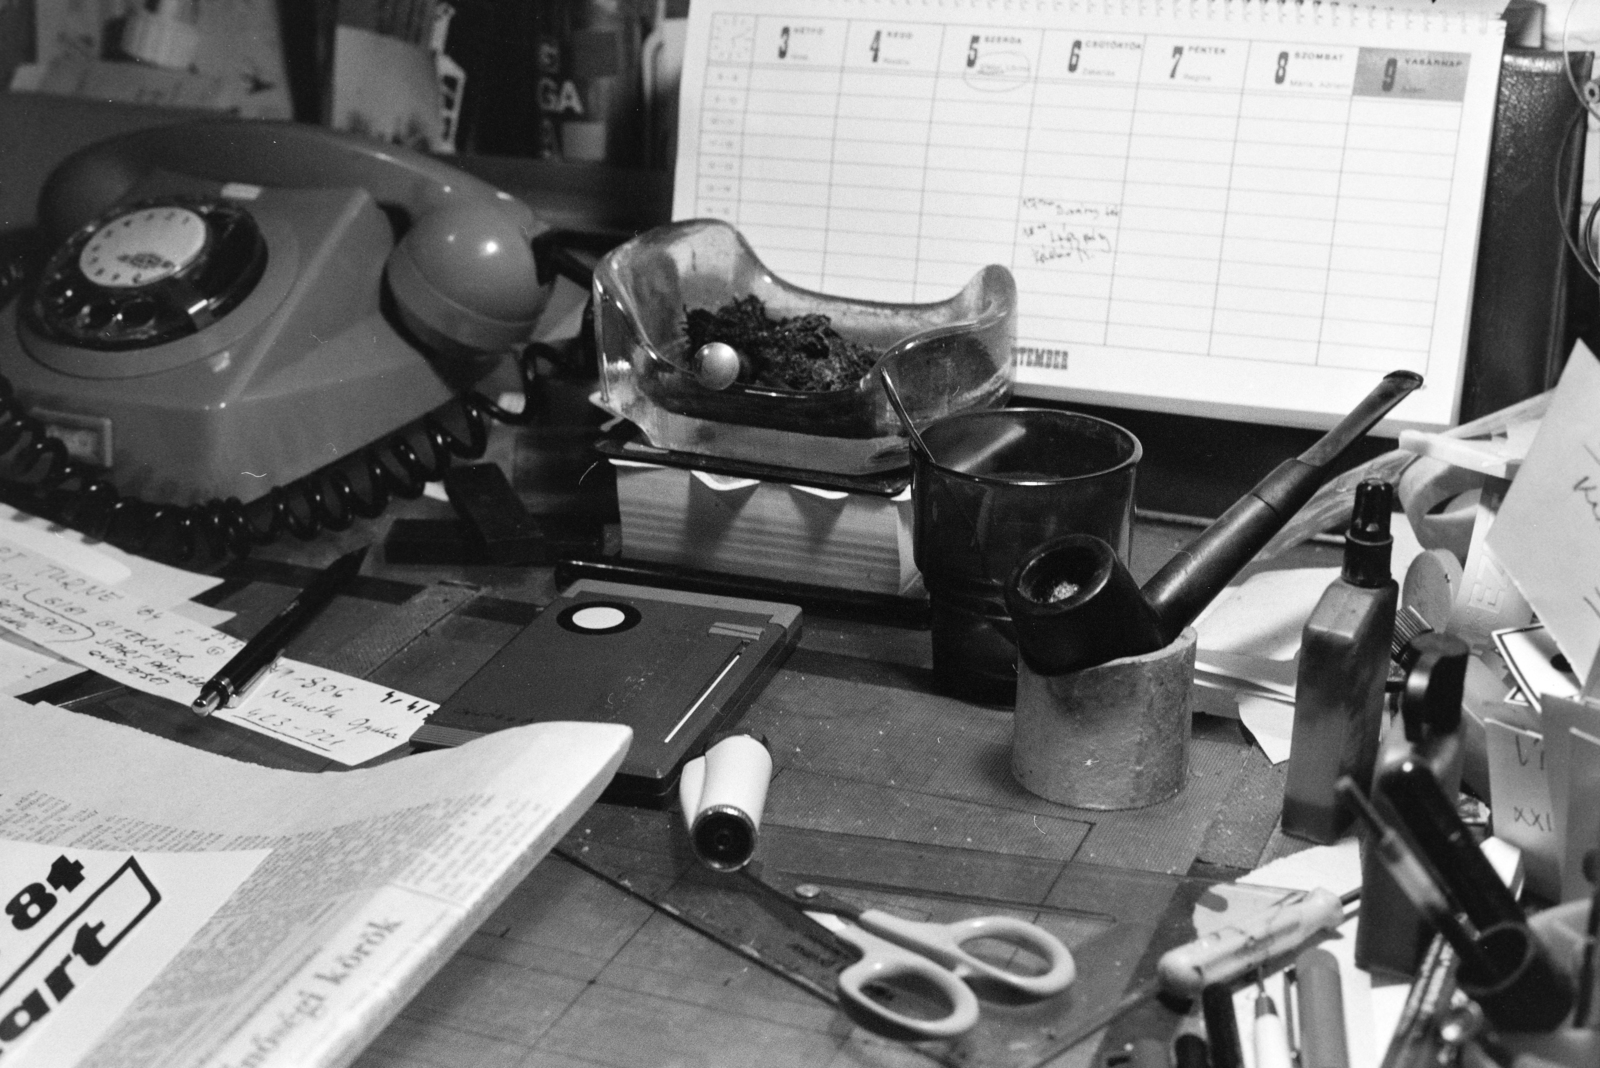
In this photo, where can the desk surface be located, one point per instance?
(880, 780)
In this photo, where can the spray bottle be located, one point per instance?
(1344, 660)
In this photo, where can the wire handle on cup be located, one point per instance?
(899, 407)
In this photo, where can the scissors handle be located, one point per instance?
(943, 942)
(882, 962)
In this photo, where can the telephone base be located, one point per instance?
(308, 368)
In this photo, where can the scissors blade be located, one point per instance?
(808, 895)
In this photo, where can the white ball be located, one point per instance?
(716, 365)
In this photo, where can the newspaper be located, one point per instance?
(352, 888)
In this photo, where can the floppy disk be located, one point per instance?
(672, 665)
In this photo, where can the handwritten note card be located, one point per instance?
(1523, 813)
(1583, 825)
(1547, 534)
(1563, 721)
(99, 627)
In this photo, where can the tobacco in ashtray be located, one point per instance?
(801, 352)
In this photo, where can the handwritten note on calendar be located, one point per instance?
(101, 628)
(1241, 208)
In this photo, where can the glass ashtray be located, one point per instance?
(950, 356)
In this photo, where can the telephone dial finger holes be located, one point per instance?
(149, 273)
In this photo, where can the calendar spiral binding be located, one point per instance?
(1410, 15)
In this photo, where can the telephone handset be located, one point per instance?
(463, 271)
(229, 307)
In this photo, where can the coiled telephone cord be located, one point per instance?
(38, 475)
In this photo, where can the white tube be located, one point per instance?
(728, 787)
(691, 781)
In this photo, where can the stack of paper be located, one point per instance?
(745, 526)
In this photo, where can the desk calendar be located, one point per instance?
(1237, 208)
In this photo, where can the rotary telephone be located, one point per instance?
(258, 325)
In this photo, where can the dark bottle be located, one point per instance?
(1344, 660)
(1392, 935)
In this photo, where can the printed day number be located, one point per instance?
(33, 902)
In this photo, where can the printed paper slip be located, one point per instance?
(87, 930)
(344, 718)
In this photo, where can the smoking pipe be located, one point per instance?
(1074, 605)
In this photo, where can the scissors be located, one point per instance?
(895, 948)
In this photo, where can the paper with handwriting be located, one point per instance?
(93, 624)
(1547, 534)
(1583, 824)
(25, 667)
(145, 580)
(1563, 720)
(1523, 814)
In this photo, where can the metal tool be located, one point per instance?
(899, 407)
(893, 948)
(1223, 956)
(232, 683)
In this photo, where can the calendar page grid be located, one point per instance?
(1256, 216)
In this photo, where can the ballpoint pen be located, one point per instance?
(1270, 1036)
(229, 685)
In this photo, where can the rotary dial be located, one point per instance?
(143, 246)
(148, 274)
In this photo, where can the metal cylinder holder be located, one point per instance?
(1108, 737)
